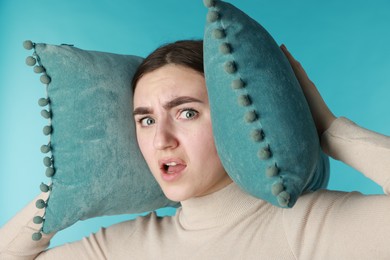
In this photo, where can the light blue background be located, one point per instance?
(343, 45)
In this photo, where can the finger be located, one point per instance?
(295, 65)
(293, 62)
(299, 71)
(287, 53)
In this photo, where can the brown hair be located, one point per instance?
(187, 53)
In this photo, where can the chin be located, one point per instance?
(177, 195)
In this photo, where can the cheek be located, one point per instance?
(213, 157)
(208, 136)
(205, 143)
(144, 146)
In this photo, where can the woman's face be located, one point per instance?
(172, 114)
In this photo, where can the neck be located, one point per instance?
(217, 208)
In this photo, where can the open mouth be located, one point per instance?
(169, 166)
(172, 167)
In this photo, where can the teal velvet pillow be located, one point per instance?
(92, 155)
(263, 129)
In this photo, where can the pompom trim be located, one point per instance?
(48, 160)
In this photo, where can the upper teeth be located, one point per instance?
(171, 164)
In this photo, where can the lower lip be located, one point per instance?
(172, 176)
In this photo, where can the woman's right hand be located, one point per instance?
(321, 113)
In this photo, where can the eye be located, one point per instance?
(146, 121)
(188, 113)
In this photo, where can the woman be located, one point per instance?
(217, 220)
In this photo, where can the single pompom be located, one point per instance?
(49, 172)
(43, 102)
(264, 153)
(283, 198)
(257, 135)
(225, 48)
(250, 116)
(45, 114)
(230, 67)
(39, 69)
(212, 16)
(45, 148)
(244, 100)
(38, 220)
(237, 84)
(272, 171)
(209, 3)
(45, 79)
(277, 188)
(219, 34)
(47, 161)
(31, 61)
(36, 236)
(28, 45)
(44, 187)
(40, 204)
(47, 130)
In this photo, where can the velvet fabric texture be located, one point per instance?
(263, 129)
(93, 159)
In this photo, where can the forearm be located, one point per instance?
(364, 150)
(16, 235)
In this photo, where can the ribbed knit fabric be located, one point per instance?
(229, 224)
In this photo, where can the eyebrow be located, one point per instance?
(171, 104)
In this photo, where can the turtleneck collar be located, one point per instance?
(218, 208)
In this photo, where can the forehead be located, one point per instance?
(168, 82)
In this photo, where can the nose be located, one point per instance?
(164, 137)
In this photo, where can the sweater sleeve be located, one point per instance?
(341, 225)
(16, 240)
(107, 243)
(364, 150)
(16, 235)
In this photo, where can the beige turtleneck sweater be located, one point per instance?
(229, 224)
